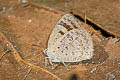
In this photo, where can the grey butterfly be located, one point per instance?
(69, 42)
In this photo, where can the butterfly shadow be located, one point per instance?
(100, 56)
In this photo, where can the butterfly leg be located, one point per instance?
(49, 61)
(46, 61)
(65, 65)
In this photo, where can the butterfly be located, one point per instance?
(69, 42)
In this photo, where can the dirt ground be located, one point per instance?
(28, 28)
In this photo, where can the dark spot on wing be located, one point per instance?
(66, 47)
(68, 35)
(66, 54)
(74, 25)
(62, 33)
(55, 38)
(58, 47)
(62, 51)
(69, 20)
(70, 38)
(73, 53)
(67, 26)
(77, 33)
(76, 38)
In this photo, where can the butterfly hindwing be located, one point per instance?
(74, 46)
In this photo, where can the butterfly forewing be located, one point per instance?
(65, 24)
(74, 46)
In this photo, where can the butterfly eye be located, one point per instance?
(45, 51)
(58, 47)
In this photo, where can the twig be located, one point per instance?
(4, 54)
(39, 68)
(45, 8)
(85, 17)
(25, 77)
(20, 60)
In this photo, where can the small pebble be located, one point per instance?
(29, 20)
(93, 70)
(112, 77)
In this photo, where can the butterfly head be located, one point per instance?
(45, 51)
(53, 58)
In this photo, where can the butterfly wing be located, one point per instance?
(75, 46)
(65, 24)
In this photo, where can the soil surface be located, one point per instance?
(28, 28)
